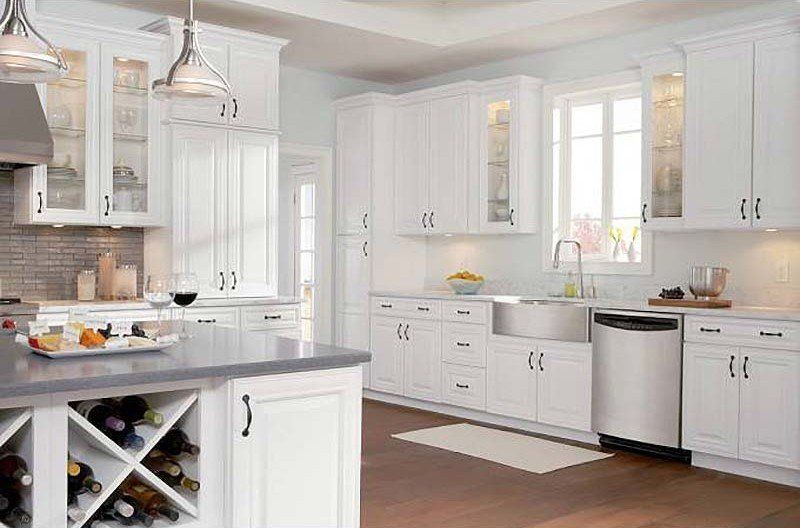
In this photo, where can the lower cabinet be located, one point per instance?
(422, 360)
(464, 386)
(387, 346)
(227, 317)
(352, 331)
(511, 380)
(296, 450)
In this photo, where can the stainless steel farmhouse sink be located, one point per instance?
(557, 319)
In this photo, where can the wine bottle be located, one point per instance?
(127, 438)
(83, 481)
(136, 410)
(101, 416)
(153, 502)
(13, 514)
(14, 470)
(139, 514)
(3, 502)
(176, 443)
(179, 480)
(162, 464)
(74, 512)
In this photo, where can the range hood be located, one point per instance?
(24, 135)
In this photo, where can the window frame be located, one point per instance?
(563, 96)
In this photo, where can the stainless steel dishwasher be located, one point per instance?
(636, 385)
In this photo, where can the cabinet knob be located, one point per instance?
(730, 366)
(541, 367)
(758, 208)
(744, 202)
(744, 367)
(644, 213)
(406, 332)
(364, 249)
(530, 361)
(222, 276)
(430, 220)
(235, 108)
(511, 217)
(108, 205)
(41, 202)
(399, 335)
(224, 106)
(235, 280)
(364, 220)
(246, 400)
(461, 344)
(425, 220)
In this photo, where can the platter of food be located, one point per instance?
(77, 340)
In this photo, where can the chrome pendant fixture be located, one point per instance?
(23, 60)
(192, 77)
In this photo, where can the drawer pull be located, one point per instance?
(530, 361)
(541, 367)
(730, 367)
(771, 334)
(206, 321)
(459, 343)
(399, 335)
(273, 317)
(744, 367)
(386, 305)
(463, 312)
(246, 400)
(423, 309)
(460, 386)
(406, 332)
(711, 330)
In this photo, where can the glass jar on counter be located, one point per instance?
(87, 283)
(125, 286)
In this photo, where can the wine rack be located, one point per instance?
(113, 465)
(16, 435)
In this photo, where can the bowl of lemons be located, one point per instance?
(465, 282)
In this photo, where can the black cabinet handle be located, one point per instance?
(423, 309)
(399, 335)
(246, 400)
(41, 202)
(744, 202)
(222, 114)
(206, 321)
(222, 276)
(541, 367)
(235, 108)
(758, 207)
(364, 220)
(511, 217)
(430, 220)
(530, 361)
(364, 249)
(384, 305)
(406, 332)
(744, 367)
(644, 213)
(463, 312)
(711, 330)
(108, 205)
(425, 220)
(273, 317)
(771, 334)
(460, 386)
(459, 343)
(235, 280)
(730, 366)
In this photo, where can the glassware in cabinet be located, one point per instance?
(497, 208)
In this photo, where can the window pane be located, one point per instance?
(556, 183)
(590, 234)
(627, 174)
(587, 120)
(307, 302)
(307, 330)
(587, 178)
(556, 124)
(307, 200)
(307, 268)
(628, 114)
(307, 234)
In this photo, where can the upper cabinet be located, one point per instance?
(250, 62)
(105, 128)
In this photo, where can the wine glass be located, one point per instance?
(157, 292)
(184, 288)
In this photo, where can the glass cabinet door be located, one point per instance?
(497, 184)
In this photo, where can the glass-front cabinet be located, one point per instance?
(104, 126)
(663, 104)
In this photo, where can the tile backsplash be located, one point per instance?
(41, 262)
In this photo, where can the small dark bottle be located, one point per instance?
(176, 443)
(136, 410)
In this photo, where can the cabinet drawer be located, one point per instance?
(270, 317)
(464, 386)
(743, 332)
(410, 308)
(464, 344)
(228, 317)
(465, 312)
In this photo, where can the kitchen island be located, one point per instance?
(278, 423)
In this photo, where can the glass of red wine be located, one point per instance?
(184, 293)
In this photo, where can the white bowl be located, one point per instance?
(465, 287)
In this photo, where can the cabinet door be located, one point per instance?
(776, 187)
(711, 399)
(296, 460)
(353, 271)
(221, 316)
(386, 345)
(499, 175)
(511, 380)
(769, 415)
(422, 365)
(354, 170)
(449, 165)
(252, 214)
(216, 51)
(199, 206)
(352, 331)
(565, 385)
(411, 170)
(131, 182)
(719, 134)
(254, 77)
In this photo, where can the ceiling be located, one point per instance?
(394, 41)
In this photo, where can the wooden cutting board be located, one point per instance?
(691, 303)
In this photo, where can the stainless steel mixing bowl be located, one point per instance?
(707, 282)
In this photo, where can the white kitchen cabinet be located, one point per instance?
(464, 386)
(719, 137)
(412, 167)
(464, 344)
(511, 379)
(352, 331)
(564, 388)
(422, 360)
(354, 169)
(227, 317)
(769, 407)
(353, 273)
(296, 450)
(776, 132)
(387, 347)
(711, 399)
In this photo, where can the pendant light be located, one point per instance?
(22, 59)
(192, 77)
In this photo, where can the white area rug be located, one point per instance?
(510, 449)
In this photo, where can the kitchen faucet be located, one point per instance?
(557, 260)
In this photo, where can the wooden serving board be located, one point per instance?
(691, 303)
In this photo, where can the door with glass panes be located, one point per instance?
(305, 244)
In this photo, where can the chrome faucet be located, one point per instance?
(557, 260)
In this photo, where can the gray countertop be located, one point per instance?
(211, 352)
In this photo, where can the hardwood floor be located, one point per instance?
(407, 485)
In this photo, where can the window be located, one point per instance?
(596, 164)
(305, 204)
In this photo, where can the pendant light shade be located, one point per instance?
(192, 77)
(23, 59)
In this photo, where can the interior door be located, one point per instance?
(216, 51)
(252, 214)
(422, 365)
(511, 380)
(769, 415)
(254, 77)
(411, 170)
(776, 122)
(719, 136)
(565, 386)
(354, 170)
(387, 344)
(449, 165)
(711, 399)
(200, 168)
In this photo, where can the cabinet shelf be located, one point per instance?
(667, 147)
(498, 163)
(123, 136)
(68, 82)
(499, 126)
(133, 90)
(67, 131)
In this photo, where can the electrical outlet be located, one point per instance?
(782, 270)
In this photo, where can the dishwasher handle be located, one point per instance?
(636, 323)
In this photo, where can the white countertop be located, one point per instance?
(637, 305)
(141, 304)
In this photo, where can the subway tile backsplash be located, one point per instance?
(41, 262)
